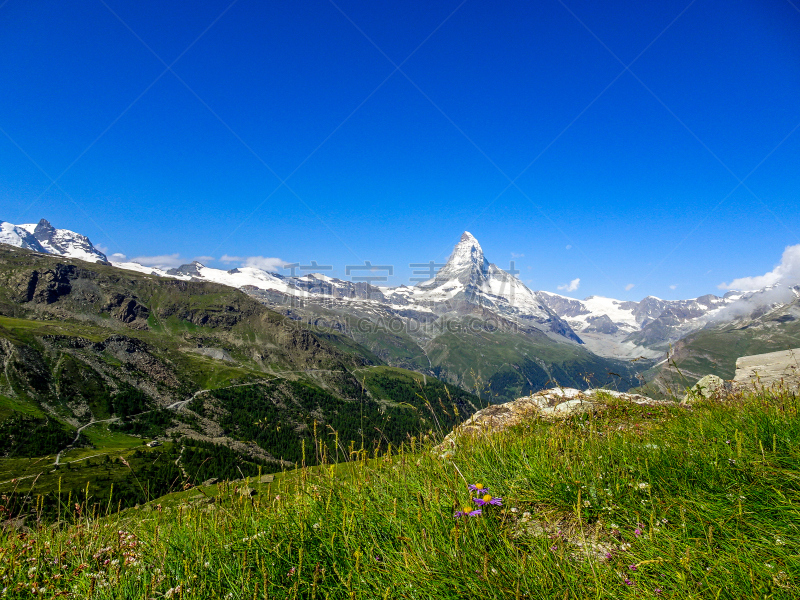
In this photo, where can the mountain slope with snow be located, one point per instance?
(469, 284)
(43, 237)
(740, 331)
(19, 237)
(630, 329)
(467, 287)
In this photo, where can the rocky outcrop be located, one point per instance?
(601, 324)
(127, 309)
(552, 404)
(136, 354)
(46, 286)
(779, 369)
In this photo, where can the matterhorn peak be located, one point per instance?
(465, 263)
(468, 252)
(467, 236)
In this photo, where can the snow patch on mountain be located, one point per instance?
(239, 277)
(17, 236)
(621, 329)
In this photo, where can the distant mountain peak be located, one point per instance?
(43, 237)
(44, 231)
(467, 253)
(468, 237)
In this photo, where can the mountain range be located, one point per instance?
(472, 324)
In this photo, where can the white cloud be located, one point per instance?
(629, 287)
(673, 286)
(779, 284)
(515, 255)
(162, 261)
(785, 273)
(571, 286)
(569, 246)
(266, 263)
(102, 248)
(118, 257)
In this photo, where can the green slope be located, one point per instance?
(501, 365)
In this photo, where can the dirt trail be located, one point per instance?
(78, 435)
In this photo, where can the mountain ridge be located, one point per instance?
(467, 289)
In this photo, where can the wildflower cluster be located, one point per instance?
(481, 497)
(94, 556)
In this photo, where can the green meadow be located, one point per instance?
(630, 502)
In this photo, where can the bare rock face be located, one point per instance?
(215, 353)
(552, 404)
(767, 370)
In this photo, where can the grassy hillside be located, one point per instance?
(630, 502)
(96, 361)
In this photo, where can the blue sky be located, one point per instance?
(349, 131)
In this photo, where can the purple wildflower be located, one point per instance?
(637, 532)
(478, 488)
(657, 590)
(467, 512)
(633, 567)
(553, 547)
(628, 582)
(488, 499)
(609, 556)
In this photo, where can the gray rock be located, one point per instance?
(709, 386)
(768, 370)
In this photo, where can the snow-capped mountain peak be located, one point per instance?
(470, 284)
(61, 242)
(467, 253)
(466, 264)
